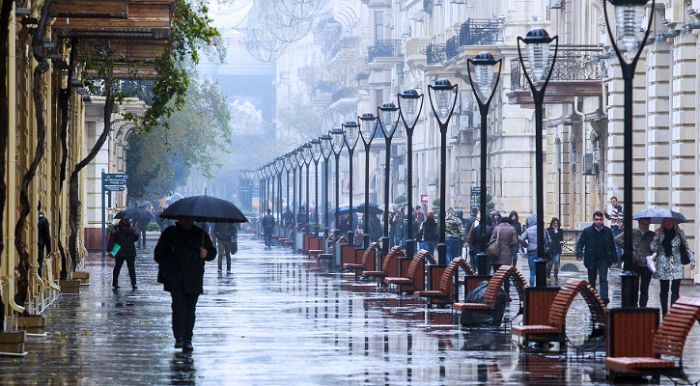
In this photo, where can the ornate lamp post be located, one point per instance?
(539, 47)
(300, 163)
(326, 150)
(368, 128)
(628, 43)
(306, 154)
(316, 156)
(337, 144)
(388, 117)
(270, 170)
(445, 95)
(484, 82)
(352, 133)
(410, 106)
(291, 161)
(261, 191)
(279, 167)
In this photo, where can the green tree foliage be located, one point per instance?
(193, 137)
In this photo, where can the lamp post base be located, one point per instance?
(365, 241)
(385, 245)
(630, 285)
(351, 237)
(410, 248)
(540, 273)
(482, 264)
(442, 253)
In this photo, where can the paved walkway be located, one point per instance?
(273, 322)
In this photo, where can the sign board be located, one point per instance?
(423, 198)
(474, 197)
(114, 188)
(114, 178)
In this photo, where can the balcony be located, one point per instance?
(388, 48)
(451, 48)
(481, 32)
(415, 49)
(435, 54)
(577, 72)
(344, 99)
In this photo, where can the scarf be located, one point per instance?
(669, 235)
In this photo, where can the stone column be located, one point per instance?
(657, 163)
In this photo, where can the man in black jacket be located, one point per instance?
(596, 247)
(44, 239)
(180, 253)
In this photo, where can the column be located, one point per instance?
(659, 88)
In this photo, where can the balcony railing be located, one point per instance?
(389, 48)
(345, 92)
(451, 48)
(435, 53)
(480, 32)
(574, 63)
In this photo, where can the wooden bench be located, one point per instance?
(389, 264)
(314, 253)
(446, 291)
(504, 272)
(414, 273)
(555, 328)
(366, 261)
(669, 340)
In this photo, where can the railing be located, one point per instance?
(415, 46)
(451, 48)
(435, 53)
(428, 6)
(345, 92)
(479, 32)
(573, 63)
(385, 48)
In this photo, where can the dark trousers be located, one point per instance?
(184, 305)
(595, 269)
(119, 261)
(663, 293)
(40, 258)
(268, 237)
(225, 252)
(142, 239)
(644, 281)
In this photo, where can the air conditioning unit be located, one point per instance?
(590, 167)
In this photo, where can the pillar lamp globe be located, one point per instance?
(630, 35)
(307, 147)
(300, 156)
(315, 157)
(352, 134)
(388, 118)
(337, 143)
(368, 127)
(337, 140)
(539, 50)
(484, 75)
(326, 151)
(410, 106)
(388, 115)
(326, 146)
(279, 164)
(443, 98)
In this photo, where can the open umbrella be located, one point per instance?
(135, 214)
(658, 214)
(205, 209)
(373, 209)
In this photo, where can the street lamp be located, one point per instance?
(300, 162)
(483, 78)
(388, 117)
(292, 165)
(316, 156)
(279, 167)
(538, 45)
(352, 134)
(628, 44)
(306, 155)
(326, 150)
(368, 129)
(261, 191)
(337, 144)
(410, 106)
(445, 96)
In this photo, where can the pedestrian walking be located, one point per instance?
(597, 249)
(226, 235)
(670, 252)
(641, 248)
(477, 243)
(515, 222)
(268, 225)
(529, 238)
(142, 225)
(44, 239)
(428, 234)
(121, 247)
(453, 234)
(180, 253)
(505, 238)
(374, 228)
(615, 214)
(553, 250)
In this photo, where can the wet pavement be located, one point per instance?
(273, 321)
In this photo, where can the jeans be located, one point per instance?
(225, 250)
(618, 251)
(531, 257)
(142, 240)
(663, 293)
(184, 306)
(453, 247)
(553, 262)
(130, 263)
(268, 238)
(429, 246)
(595, 269)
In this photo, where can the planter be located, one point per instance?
(33, 324)
(12, 342)
(70, 286)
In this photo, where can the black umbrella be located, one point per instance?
(373, 209)
(135, 214)
(205, 209)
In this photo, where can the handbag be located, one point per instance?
(685, 253)
(493, 249)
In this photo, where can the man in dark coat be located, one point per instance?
(227, 237)
(268, 225)
(44, 239)
(125, 236)
(596, 247)
(180, 253)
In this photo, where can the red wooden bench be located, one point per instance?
(389, 264)
(669, 340)
(414, 274)
(366, 261)
(555, 328)
(446, 291)
(504, 272)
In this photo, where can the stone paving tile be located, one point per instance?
(274, 322)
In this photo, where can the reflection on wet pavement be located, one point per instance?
(273, 322)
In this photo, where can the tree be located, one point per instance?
(194, 137)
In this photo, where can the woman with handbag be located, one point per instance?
(124, 236)
(671, 253)
(503, 240)
(553, 249)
